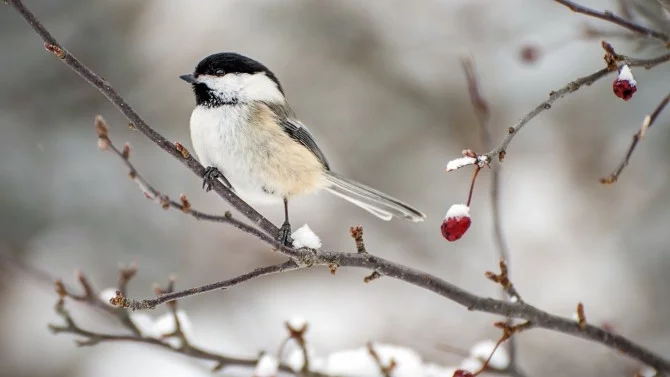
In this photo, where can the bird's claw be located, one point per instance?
(284, 235)
(211, 174)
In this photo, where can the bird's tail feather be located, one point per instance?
(371, 200)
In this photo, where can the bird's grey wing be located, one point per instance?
(300, 133)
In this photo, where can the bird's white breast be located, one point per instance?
(221, 138)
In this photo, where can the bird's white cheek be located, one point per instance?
(244, 87)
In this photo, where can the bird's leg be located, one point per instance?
(284, 235)
(212, 173)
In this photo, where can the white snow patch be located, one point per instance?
(107, 294)
(267, 366)
(471, 365)
(358, 362)
(647, 371)
(458, 211)
(296, 359)
(165, 324)
(304, 237)
(145, 324)
(627, 75)
(460, 162)
(482, 351)
(434, 370)
(297, 323)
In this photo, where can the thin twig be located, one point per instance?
(504, 281)
(385, 369)
(91, 297)
(613, 18)
(572, 87)
(356, 233)
(483, 114)
(124, 302)
(581, 317)
(91, 338)
(298, 335)
(647, 122)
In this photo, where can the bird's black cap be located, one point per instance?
(230, 62)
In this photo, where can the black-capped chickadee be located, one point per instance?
(245, 133)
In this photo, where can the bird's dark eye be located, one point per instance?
(220, 72)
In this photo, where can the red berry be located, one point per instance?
(456, 222)
(624, 89)
(462, 373)
(454, 228)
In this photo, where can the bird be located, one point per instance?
(245, 133)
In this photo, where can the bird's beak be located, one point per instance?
(189, 78)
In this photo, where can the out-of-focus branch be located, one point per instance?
(483, 114)
(90, 297)
(613, 18)
(306, 258)
(122, 301)
(135, 334)
(647, 122)
(385, 369)
(571, 87)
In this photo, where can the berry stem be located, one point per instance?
(472, 184)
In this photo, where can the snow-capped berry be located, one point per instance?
(625, 85)
(456, 222)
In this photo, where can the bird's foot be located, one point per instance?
(284, 235)
(211, 174)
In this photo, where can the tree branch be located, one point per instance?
(106, 89)
(613, 18)
(647, 122)
(483, 113)
(571, 87)
(124, 302)
(91, 338)
(306, 258)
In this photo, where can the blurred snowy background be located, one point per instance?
(381, 86)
